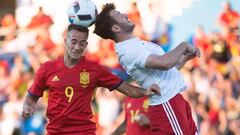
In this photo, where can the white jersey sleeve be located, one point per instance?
(136, 56)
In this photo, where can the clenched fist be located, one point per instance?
(192, 51)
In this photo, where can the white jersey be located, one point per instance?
(132, 55)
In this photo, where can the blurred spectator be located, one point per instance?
(11, 111)
(165, 40)
(8, 20)
(44, 42)
(4, 82)
(229, 18)
(105, 54)
(108, 109)
(221, 50)
(201, 40)
(41, 20)
(135, 16)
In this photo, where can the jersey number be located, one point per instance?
(134, 115)
(69, 93)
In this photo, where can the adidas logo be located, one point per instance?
(55, 78)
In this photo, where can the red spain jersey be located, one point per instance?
(70, 94)
(134, 107)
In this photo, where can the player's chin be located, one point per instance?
(76, 56)
(131, 24)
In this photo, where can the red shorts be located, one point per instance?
(172, 118)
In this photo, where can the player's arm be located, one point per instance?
(170, 59)
(137, 92)
(121, 129)
(143, 120)
(35, 91)
(29, 105)
(186, 57)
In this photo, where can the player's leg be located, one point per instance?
(172, 117)
(180, 114)
(160, 125)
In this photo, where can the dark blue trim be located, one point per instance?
(117, 85)
(34, 95)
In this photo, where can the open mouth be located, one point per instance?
(76, 53)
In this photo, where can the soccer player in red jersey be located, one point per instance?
(138, 122)
(71, 81)
(134, 119)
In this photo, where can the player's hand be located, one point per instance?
(190, 49)
(154, 89)
(189, 56)
(192, 52)
(143, 120)
(27, 111)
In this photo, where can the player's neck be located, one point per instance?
(123, 37)
(69, 62)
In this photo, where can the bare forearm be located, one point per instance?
(168, 60)
(175, 55)
(131, 91)
(181, 62)
(30, 100)
(29, 105)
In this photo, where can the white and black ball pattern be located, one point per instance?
(82, 12)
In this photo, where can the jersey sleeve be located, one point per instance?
(135, 56)
(39, 84)
(107, 79)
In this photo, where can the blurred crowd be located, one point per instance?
(213, 80)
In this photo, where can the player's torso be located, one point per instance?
(145, 77)
(70, 89)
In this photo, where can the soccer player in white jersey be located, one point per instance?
(147, 63)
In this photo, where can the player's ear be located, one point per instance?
(65, 39)
(116, 28)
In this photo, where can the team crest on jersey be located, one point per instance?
(84, 79)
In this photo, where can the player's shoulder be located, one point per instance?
(52, 64)
(88, 61)
(91, 63)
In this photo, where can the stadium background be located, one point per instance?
(213, 81)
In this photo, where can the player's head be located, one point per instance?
(110, 23)
(76, 41)
(227, 6)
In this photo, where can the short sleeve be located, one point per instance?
(107, 79)
(39, 84)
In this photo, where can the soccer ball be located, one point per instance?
(82, 12)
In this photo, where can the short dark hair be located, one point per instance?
(104, 22)
(77, 27)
